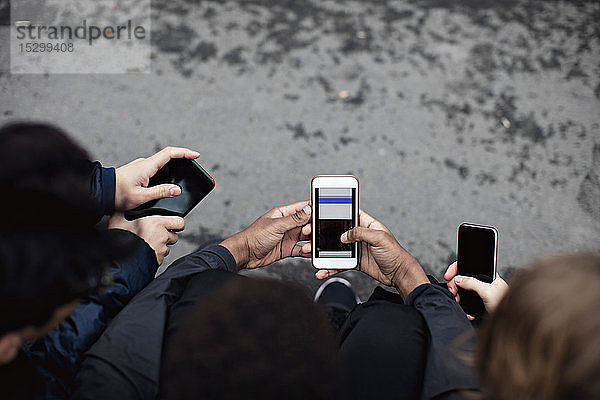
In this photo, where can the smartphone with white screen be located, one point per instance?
(334, 211)
(477, 250)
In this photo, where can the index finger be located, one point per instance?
(284, 211)
(307, 230)
(174, 223)
(158, 160)
(450, 272)
(452, 287)
(326, 273)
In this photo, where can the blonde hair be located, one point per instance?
(543, 341)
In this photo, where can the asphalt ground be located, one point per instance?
(446, 111)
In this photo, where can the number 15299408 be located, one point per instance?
(46, 47)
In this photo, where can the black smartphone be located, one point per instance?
(477, 253)
(195, 184)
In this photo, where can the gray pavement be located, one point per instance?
(447, 111)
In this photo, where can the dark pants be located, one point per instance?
(198, 288)
(382, 349)
(382, 342)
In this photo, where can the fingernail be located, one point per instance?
(458, 279)
(344, 237)
(175, 191)
(307, 209)
(195, 154)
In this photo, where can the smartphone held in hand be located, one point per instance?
(195, 184)
(335, 211)
(477, 253)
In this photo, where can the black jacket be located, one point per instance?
(451, 340)
(125, 362)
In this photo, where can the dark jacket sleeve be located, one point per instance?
(126, 358)
(57, 355)
(102, 185)
(451, 343)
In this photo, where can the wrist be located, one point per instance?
(408, 276)
(120, 199)
(238, 247)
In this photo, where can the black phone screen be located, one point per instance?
(476, 258)
(335, 214)
(195, 184)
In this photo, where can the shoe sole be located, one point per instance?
(332, 280)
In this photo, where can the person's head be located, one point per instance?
(543, 340)
(50, 253)
(253, 339)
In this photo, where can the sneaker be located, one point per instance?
(338, 298)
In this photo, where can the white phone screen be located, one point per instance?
(335, 213)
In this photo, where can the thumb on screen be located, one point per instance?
(161, 192)
(470, 283)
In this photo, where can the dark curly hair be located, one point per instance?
(50, 252)
(253, 339)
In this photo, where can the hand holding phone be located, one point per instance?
(271, 237)
(490, 293)
(132, 189)
(159, 232)
(195, 184)
(477, 252)
(381, 256)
